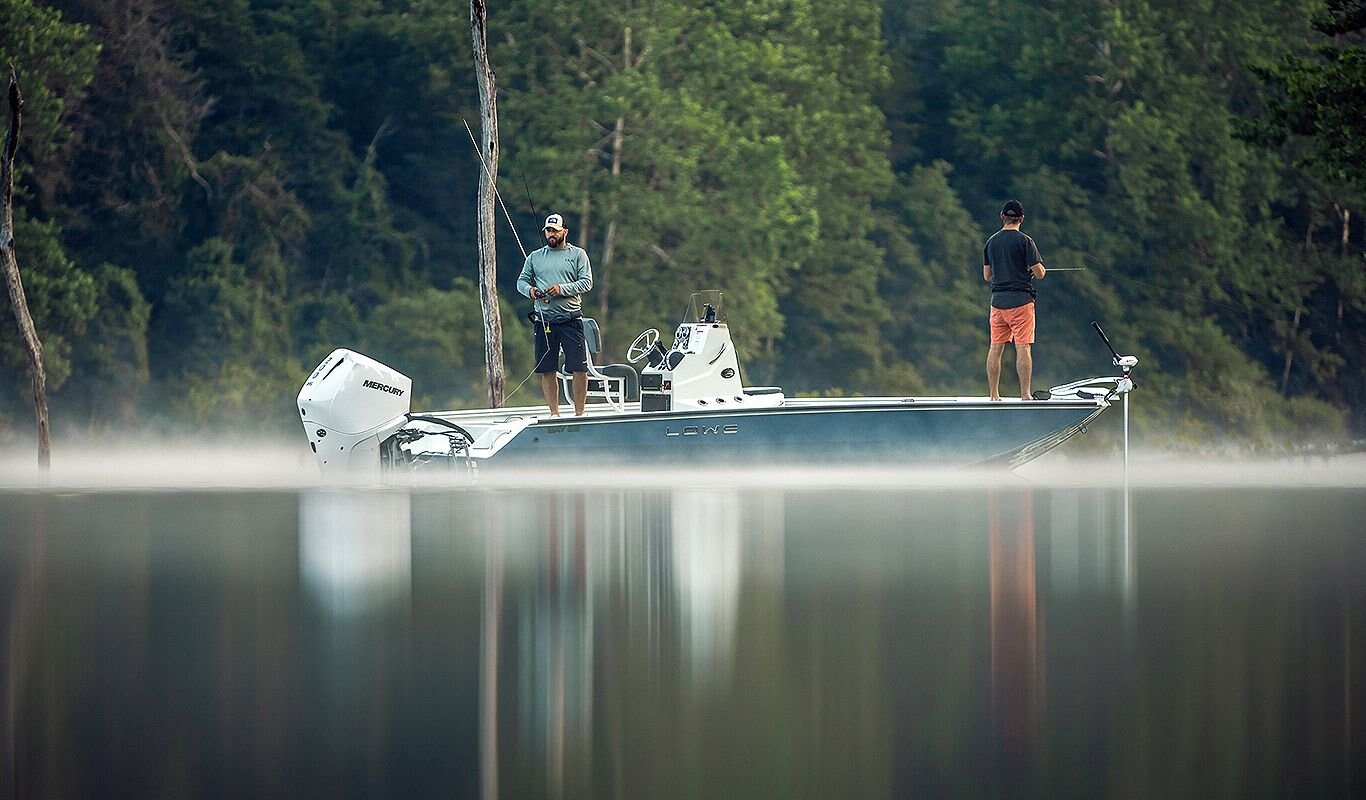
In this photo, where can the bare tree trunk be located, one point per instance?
(16, 286)
(585, 221)
(1346, 215)
(1289, 355)
(1295, 326)
(610, 245)
(488, 261)
(603, 282)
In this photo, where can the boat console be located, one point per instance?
(701, 370)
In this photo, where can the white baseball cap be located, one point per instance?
(555, 221)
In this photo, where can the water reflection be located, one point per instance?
(355, 549)
(685, 642)
(1017, 680)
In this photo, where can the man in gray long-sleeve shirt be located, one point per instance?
(555, 277)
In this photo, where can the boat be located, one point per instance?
(684, 405)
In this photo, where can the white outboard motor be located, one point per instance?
(349, 405)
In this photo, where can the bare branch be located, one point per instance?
(185, 155)
(664, 254)
(595, 55)
(386, 128)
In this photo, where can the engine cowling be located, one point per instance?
(349, 405)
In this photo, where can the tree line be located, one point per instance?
(211, 195)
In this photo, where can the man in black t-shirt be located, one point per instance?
(1010, 263)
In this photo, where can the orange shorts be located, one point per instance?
(1013, 324)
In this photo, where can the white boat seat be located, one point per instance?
(614, 384)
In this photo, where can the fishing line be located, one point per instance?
(1189, 296)
(494, 183)
(523, 383)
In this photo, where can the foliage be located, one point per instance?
(438, 337)
(215, 194)
(1318, 93)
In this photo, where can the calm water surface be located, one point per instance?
(1018, 641)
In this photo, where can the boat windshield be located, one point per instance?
(705, 306)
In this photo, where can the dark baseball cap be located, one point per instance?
(1013, 208)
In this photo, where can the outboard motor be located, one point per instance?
(349, 405)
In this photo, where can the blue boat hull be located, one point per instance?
(862, 434)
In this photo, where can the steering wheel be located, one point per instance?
(643, 344)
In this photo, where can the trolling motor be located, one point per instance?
(1126, 364)
(1123, 385)
(1106, 387)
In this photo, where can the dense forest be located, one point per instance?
(212, 194)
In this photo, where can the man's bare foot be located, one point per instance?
(995, 399)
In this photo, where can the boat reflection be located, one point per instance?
(631, 622)
(355, 550)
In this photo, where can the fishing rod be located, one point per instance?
(535, 212)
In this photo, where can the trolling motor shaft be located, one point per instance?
(1125, 363)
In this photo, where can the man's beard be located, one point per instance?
(554, 239)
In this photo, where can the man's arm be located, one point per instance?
(1033, 258)
(524, 279)
(986, 273)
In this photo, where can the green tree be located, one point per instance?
(1318, 95)
(110, 362)
(224, 344)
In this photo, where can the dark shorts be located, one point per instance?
(566, 336)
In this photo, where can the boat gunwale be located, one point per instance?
(536, 416)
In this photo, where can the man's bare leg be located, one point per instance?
(551, 389)
(994, 370)
(1024, 367)
(580, 388)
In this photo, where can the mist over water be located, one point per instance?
(198, 620)
(215, 465)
